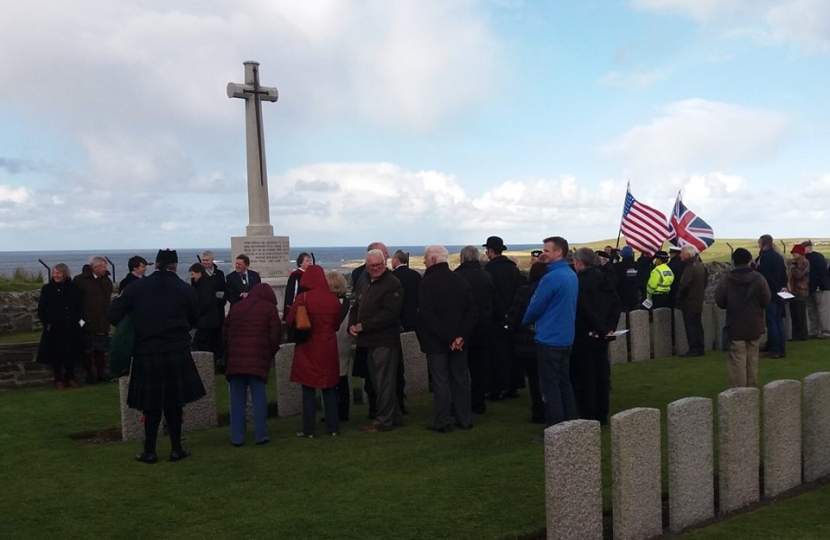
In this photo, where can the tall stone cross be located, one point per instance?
(258, 207)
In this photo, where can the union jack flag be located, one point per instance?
(686, 228)
(644, 227)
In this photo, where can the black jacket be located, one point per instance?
(377, 307)
(524, 345)
(129, 278)
(234, 286)
(163, 309)
(597, 306)
(819, 278)
(484, 293)
(59, 309)
(627, 283)
(507, 279)
(206, 305)
(771, 265)
(446, 311)
(410, 280)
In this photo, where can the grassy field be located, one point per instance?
(486, 483)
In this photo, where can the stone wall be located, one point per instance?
(18, 367)
(18, 312)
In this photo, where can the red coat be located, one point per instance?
(316, 361)
(252, 333)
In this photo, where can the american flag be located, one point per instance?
(686, 228)
(645, 228)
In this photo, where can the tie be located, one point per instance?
(245, 278)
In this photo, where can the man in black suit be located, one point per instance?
(410, 279)
(504, 373)
(240, 282)
(218, 276)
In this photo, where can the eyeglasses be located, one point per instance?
(376, 265)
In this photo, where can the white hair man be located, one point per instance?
(374, 320)
(96, 291)
(447, 316)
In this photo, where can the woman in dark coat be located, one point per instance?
(252, 336)
(208, 335)
(316, 360)
(61, 344)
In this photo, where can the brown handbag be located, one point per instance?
(301, 320)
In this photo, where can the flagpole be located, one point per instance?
(619, 233)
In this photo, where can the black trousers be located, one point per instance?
(501, 376)
(660, 300)
(537, 407)
(798, 311)
(591, 379)
(477, 359)
(694, 332)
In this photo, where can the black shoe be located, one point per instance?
(147, 457)
(461, 426)
(403, 408)
(178, 455)
(441, 429)
(494, 397)
(266, 440)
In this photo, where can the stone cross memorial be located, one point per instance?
(268, 253)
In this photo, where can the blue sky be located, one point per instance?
(411, 122)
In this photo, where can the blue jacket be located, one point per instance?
(553, 306)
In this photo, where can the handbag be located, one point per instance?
(302, 324)
(120, 353)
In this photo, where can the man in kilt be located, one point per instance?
(163, 376)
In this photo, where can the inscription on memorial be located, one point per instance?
(269, 254)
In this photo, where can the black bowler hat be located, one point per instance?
(600, 253)
(661, 255)
(495, 243)
(167, 256)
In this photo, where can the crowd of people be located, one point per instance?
(487, 329)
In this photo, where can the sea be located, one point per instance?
(330, 258)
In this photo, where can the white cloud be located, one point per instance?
(805, 23)
(635, 80)
(19, 195)
(699, 134)
(405, 64)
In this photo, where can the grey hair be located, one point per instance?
(207, 253)
(689, 250)
(375, 253)
(63, 269)
(95, 261)
(439, 252)
(469, 254)
(586, 256)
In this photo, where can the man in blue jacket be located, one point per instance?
(553, 311)
(771, 265)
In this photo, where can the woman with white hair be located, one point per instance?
(61, 343)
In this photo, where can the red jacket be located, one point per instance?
(252, 333)
(316, 361)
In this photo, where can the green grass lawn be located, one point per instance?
(486, 483)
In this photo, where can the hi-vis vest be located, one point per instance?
(660, 280)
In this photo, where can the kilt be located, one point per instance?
(164, 380)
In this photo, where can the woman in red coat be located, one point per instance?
(316, 361)
(252, 335)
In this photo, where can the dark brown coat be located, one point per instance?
(378, 308)
(692, 287)
(96, 294)
(744, 314)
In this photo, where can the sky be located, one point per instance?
(410, 121)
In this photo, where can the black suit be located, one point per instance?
(235, 286)
(410, 279)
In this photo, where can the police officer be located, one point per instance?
(660, 280)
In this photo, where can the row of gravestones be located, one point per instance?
(656, 339)
(573, 457)
(202, 414)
